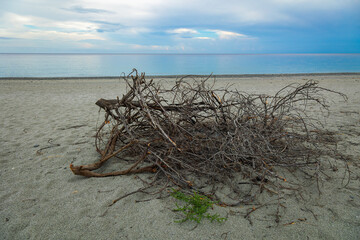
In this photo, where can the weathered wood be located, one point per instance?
(192, 131)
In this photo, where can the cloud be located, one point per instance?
(203, 13)
(104, 26)
(30, 27)
(204, 38)
(205, 34)
(135, 13)
(135, 30)
(80, 9)
(159, 25)
(316, 4)
(16, 21)
(228, 35)
(51, 35)
(183, 31)
(7, 38)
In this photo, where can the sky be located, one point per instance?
(180, 26)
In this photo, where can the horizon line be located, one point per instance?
(73, 53)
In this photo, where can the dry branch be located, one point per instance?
(193, 135)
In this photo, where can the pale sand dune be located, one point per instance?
(40, 198)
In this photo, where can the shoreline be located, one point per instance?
(266, 75)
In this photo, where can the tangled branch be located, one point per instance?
(195, 136)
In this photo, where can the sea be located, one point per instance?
(114, 65)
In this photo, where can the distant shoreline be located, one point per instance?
(193, 75)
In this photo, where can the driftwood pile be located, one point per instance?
(196, 137)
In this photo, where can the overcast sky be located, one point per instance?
(180, 26)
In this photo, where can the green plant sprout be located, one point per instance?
(195, 207)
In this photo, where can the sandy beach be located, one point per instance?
(47, 124)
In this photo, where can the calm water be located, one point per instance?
(95, 65)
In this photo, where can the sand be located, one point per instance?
(48, 124)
